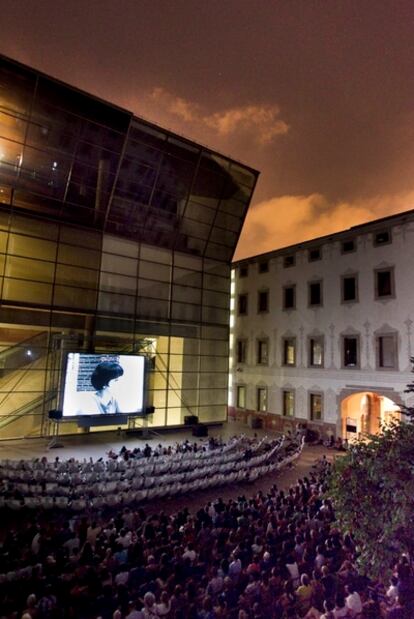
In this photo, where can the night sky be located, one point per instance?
(317, 95)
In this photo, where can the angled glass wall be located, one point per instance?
(114, 235)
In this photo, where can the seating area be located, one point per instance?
(118, 481)
(273, 555)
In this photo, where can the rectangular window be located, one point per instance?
(314, 254)
(316, 352)
(315, 403)
(289, 297)
(350, 351)
(315, 294)
(289, 351)
(384, 283)
(241, 396)
(348, 246)
(242, 304)
(243, 270)
(289, 261)
(349, 288)
(263, 266)
(382, 238)
(288, 403)
(262, 399)
(263, 301)
(241, 351)
(387, 352)
(262, 352)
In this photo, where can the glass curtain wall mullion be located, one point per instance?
(121, 157)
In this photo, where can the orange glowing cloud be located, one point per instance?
(260, 122)
(287, 220)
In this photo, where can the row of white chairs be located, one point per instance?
(90, 484)
(129, 496)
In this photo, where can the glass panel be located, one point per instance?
(214, 314)
(119, 264)
(45, 172)
(116, 303)
(213, 396)
(186, 277)
(217, 268)
(196, 228)
(78, 256)
(234, 207)
(74, 297)
(119, 246)
(214, 364)
(5, 194)
(228, 222)
(26, 268)
(199, 212)
(216, 299)
(17, 86)
(28, 246)
(214, 347)
(226, 237)
(182, 311)
(80, 236)
(188, 262)
(213, 413)
(219, 251)
(155, 254)
(3, 241)
(12, 127)
(241, 175)
(216, 283)
(26, 291)
(84, 278)
(35, 227)
(158, 272)
(11, 159)
(217, 380)
(150, 288)
(153, 308)
(45, 133)
(81, 104)
(186, 294)
(214, 333)
(180, 173)
(117, 283)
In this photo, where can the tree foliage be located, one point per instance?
(372, 488)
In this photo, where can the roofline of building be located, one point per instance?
(348, 232)
(131, 114)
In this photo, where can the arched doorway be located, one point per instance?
(365, 413)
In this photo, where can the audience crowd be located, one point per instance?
(275, 555)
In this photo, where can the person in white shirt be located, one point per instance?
(190, 553)
(392, 591)
(353, 601)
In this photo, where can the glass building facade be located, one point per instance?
(115, 236)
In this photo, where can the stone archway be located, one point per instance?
(365, 412)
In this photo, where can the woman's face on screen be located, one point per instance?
(112, 382)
